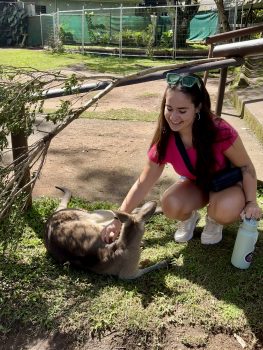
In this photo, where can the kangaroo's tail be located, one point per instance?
(65, 199)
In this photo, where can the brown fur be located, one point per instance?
(73, 236)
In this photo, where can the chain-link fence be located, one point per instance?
(168, 31)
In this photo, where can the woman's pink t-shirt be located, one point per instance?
(226, 137)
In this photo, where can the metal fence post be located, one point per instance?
(58, 18)
(82, 29)
(175, 33)
(54, 27)
(41, 30)
(110, 25)
(120, 41)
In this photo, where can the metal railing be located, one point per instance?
(229, 36)
(239, 49)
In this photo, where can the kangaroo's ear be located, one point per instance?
(123, 217)
(146, 211)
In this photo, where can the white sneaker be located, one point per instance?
(186, 228)
(212, 232)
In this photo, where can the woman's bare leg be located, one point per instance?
(225, 206)
(179, 200)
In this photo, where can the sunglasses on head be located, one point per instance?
(187, 81)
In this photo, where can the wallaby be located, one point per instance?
(73, 235)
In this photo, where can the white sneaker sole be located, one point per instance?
(183, 239)
(211, 241)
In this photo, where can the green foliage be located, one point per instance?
(140, 39)
(19, 104)
(133, 38)
(255, 17)
(13, 225)
(21, 101)
(167, 39)
(95, 31)
(66, 36)
(98, 35)
(55, 42)
(13, 24)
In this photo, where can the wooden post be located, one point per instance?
(221, 91)
(210, 54)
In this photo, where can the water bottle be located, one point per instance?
(244, 247)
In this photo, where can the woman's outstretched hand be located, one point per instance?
(111, 232)
(251, 211)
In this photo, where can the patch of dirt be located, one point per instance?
(100, 159)
(174, 338)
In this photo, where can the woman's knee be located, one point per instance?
(176, 206)
(172, 207)
(179, 200)
(225, 211)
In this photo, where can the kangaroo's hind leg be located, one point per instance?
(160, 265)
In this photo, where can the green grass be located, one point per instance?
(198, 46)
(128, 114)
(44, 60)
(201, 288)
(122, 114)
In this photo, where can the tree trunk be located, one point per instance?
(222, 15)
(184, 16)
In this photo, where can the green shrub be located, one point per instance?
(66, 36)
(129, 37)
(167, 39)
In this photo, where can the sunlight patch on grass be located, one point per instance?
(149, 94)
(231, 314)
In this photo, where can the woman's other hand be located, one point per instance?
(111, 232)
(251, 211)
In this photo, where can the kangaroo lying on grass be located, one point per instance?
(73, 235)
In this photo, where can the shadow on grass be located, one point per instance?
(210, 268)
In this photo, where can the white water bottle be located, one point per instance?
(244, 247)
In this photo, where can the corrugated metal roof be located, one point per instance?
(208, 5)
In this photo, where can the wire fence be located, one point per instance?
(164, 31)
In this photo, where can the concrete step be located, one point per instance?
(249, 104)
(245, 112)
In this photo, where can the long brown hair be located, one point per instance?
(204, 132)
